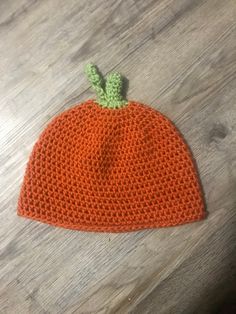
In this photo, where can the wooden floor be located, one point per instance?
(179, 57)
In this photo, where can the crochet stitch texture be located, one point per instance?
(115, 169)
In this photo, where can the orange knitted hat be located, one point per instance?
(111, 165)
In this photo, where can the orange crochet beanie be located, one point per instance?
(111, 165)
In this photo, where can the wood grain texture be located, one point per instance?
(180, 57)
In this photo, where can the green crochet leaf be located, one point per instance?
(110, 96)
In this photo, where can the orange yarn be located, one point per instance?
(101, 169)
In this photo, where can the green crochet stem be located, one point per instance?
(109, 91)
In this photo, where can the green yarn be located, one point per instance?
(114, 90)
(109, 92)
